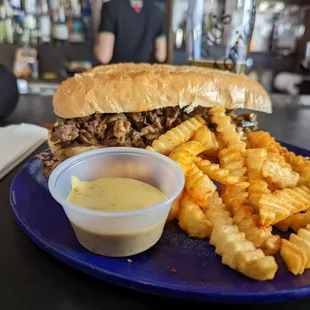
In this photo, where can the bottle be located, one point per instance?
(44, 23)
(76, 25)
(60, 31)
(25, 63)
(18, 28)
(16, 6)
(9, 23)
(2, 23)
(86, 17)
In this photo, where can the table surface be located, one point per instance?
(32, 279)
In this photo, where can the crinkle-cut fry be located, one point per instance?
(226, 128)
(175, 208)
(279, 174)
(295, 221)
(257, 188)
(294, 258)
(207, 138)
(235, 195)
(244, 215)
(199, 186)
(217, 211)
(297, 162)
(236, 251)
(275, 157)
(276, 207)
(302, 240)
(192, 219)
(232, 160)
(273, 188)
(254, 262)
(296, 251)
(214, 172)
(238, 199)
(184, 154)
(263, 139)
(261, 236)
(176, 136)
(254, 159)
(302, 181)
(305, 175)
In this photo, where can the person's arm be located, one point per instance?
(105, 41)
(161, 48)
(160, 51)
(104, 47)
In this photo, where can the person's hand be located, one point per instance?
(288, 82)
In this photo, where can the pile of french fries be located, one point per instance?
(237, 190)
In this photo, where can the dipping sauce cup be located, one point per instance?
(118, 234)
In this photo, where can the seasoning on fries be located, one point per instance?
(237, 189)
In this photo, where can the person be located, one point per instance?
(9, 92)
(131, 31)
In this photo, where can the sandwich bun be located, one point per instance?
(129, 87)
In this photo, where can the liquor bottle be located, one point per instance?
(30, 26)
(8, 23)
(86, 17)
(44, 23)
(29, 6)
(18, 28)
(16, 6)
(76, 24)
(60, 33)
(2, 23)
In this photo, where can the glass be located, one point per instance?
(219, 32)
(289, 28)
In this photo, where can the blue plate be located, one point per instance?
(176, 266)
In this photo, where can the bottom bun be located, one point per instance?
(66, 152)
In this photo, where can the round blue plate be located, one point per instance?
(176, 266)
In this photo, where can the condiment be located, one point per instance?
(119, 245)
(114, 194)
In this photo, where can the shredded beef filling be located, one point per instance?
(49, 162)
(126, 129)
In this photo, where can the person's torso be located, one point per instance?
(135, 32)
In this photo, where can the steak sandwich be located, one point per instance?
(133, 104)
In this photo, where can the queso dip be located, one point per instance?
(114, 194)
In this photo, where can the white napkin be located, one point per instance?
(17, 142)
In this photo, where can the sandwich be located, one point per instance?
(133, 104)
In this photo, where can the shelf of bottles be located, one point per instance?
(34, 22)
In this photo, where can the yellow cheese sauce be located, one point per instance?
(119, 245)
(114, 194)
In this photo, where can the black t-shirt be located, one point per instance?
(135, 33)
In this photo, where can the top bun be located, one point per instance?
(129, 87)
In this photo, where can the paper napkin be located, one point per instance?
(17, 142)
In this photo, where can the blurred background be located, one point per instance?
(46, 41)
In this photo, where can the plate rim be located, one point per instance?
(166, 290)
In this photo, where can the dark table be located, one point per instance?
(31, 279)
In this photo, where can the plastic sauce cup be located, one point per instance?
(118, 234)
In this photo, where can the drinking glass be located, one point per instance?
(219, 32)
